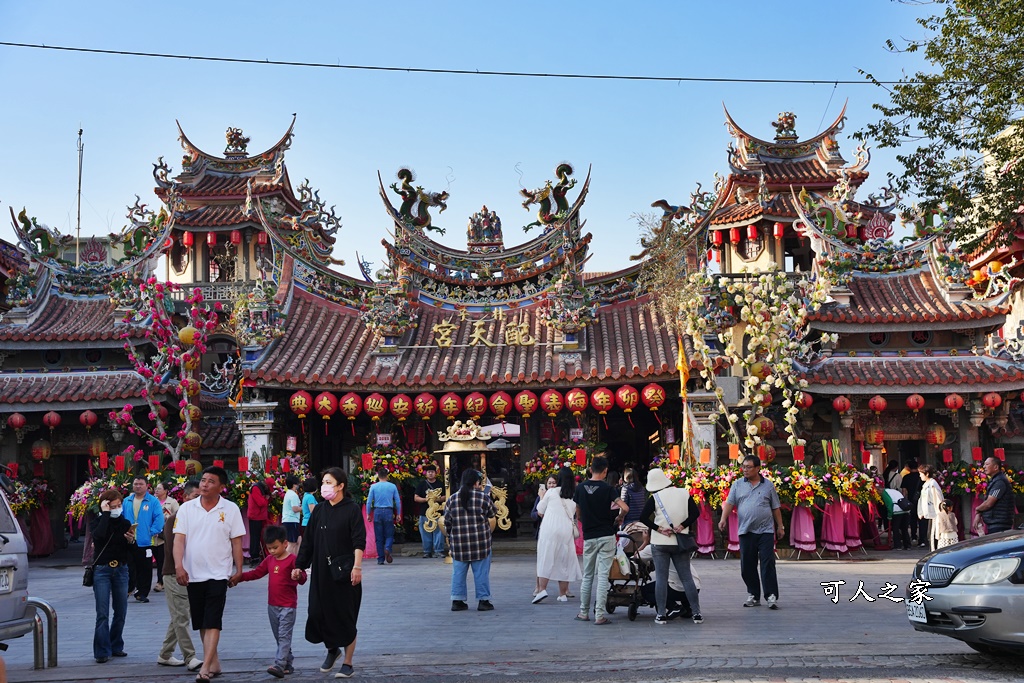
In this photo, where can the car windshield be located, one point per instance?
(7, 523)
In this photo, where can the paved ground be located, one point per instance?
(407, 630)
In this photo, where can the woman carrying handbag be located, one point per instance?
(112, 538)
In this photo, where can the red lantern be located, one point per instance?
(236, 237)
(576, 401)
(187, 239)
(450, 405)
(193, 441)
(780, 230)
(935, 435)
(425, 406)
(41, 450)
(301, 403)
(653, 396)
(16, 421)
(211, 239)
(915, 402)
(475, 405)
(552, 402)
(261, 239)
(751, 232)
(875, 435)
(51, 420)
(841, 404)
(88, 419)
(803, 400)
(161, 412)
(325, 404)
(627, 398)
(401, 407)
(734, 235)
(877, 404)
(350, 405)
(954, 401)
(717, 238)
(376, 406)
(601, 400)
(500, 403)
(526, 403)
(991, 400)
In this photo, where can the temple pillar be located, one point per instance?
(842, 426)
(256, 423)
(967, 432)
(705, 413)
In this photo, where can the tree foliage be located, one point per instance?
(958, 126)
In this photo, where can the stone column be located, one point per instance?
(256, 423)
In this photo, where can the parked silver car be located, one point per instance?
(975, 593)
(15, 617)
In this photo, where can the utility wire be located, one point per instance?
(468, 72)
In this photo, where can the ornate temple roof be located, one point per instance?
(36, 391)
(65, 319)
(328, 345)
(840, 374)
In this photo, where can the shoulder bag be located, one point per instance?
(685, 542)
(89, 576)
(340, 567)
(572, 521)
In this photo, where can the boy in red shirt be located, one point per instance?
(283, 595)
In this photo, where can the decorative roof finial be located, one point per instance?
(237, 142)
(484, 232)
(785, 127)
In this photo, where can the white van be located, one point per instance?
(15, 618)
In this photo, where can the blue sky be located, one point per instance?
(466, 134)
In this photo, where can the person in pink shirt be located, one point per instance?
(283, 595)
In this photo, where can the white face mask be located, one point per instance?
(115, 513)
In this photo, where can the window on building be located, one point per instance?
(878, 339)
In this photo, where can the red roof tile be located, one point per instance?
(220, 437)
(909, 296)
(69, 387)
(781, 205)
(64, 319)
(839, 374)
(224, 185)
(212, 216)
(327, 345)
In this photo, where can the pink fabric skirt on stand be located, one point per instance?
(371, 539)
(833, 528)
(801, 535)
(705, 531)
(734, 532)
(853, 517)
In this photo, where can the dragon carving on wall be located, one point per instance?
(42, 243)
(144, 227)
(550, 197)
(419, 199)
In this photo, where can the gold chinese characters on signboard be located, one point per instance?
(516, 334)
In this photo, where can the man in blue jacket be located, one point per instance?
(146, 515)
(383, 506)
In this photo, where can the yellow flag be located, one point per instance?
(683, 365)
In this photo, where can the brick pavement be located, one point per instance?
(407, 629)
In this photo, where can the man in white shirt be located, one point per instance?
(208, 533)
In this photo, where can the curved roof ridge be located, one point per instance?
(739, 132)
(280, 145)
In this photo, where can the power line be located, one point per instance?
(465, 72)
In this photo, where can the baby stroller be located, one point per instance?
(628, 591)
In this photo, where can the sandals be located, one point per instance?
(202, 678)
(581, 617)
(602, 622)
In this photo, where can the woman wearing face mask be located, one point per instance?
(334, 544)
(112, 537)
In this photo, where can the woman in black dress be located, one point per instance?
(335, 533)
(112, 537)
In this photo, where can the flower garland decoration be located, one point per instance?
(549, 459)
(21, 500)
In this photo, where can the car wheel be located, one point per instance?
(991, 650)
(632, 612)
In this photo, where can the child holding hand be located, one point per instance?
(283, 595)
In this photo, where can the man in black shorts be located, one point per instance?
(208, 533)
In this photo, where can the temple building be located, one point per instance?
(906, 358)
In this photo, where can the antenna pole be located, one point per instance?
(78, 220)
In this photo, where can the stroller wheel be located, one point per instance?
(632, 612)
(610, 609)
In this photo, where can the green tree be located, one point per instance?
(958, 127)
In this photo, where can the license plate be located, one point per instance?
(5, 580)
(915, 612)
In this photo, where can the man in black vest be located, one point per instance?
(997, 509)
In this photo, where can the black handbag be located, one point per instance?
(89, 576)
(341, 567)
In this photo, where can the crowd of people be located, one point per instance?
(197, 546)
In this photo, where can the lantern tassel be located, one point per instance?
(630, 420)
(657, 417)
(353, 427)
(325, 427)
(605, 420)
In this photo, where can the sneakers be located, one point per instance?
(561, 598)
(459, 605)
(345, 672)
(661, 620)
(427, 556)
(752, 601)
(486, 606)
(539, 597)
(773, 602)
(275, 671)
(673, 614)
(387, 557)
(170, 661)
(194, 664)
(289, 670)
(698, 619)
(330, 659)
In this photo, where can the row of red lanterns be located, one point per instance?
(188, 238)
(915, 402)
(735, 234)
(476, 404)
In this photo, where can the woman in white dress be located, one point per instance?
(928, 505)
(556, 544)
